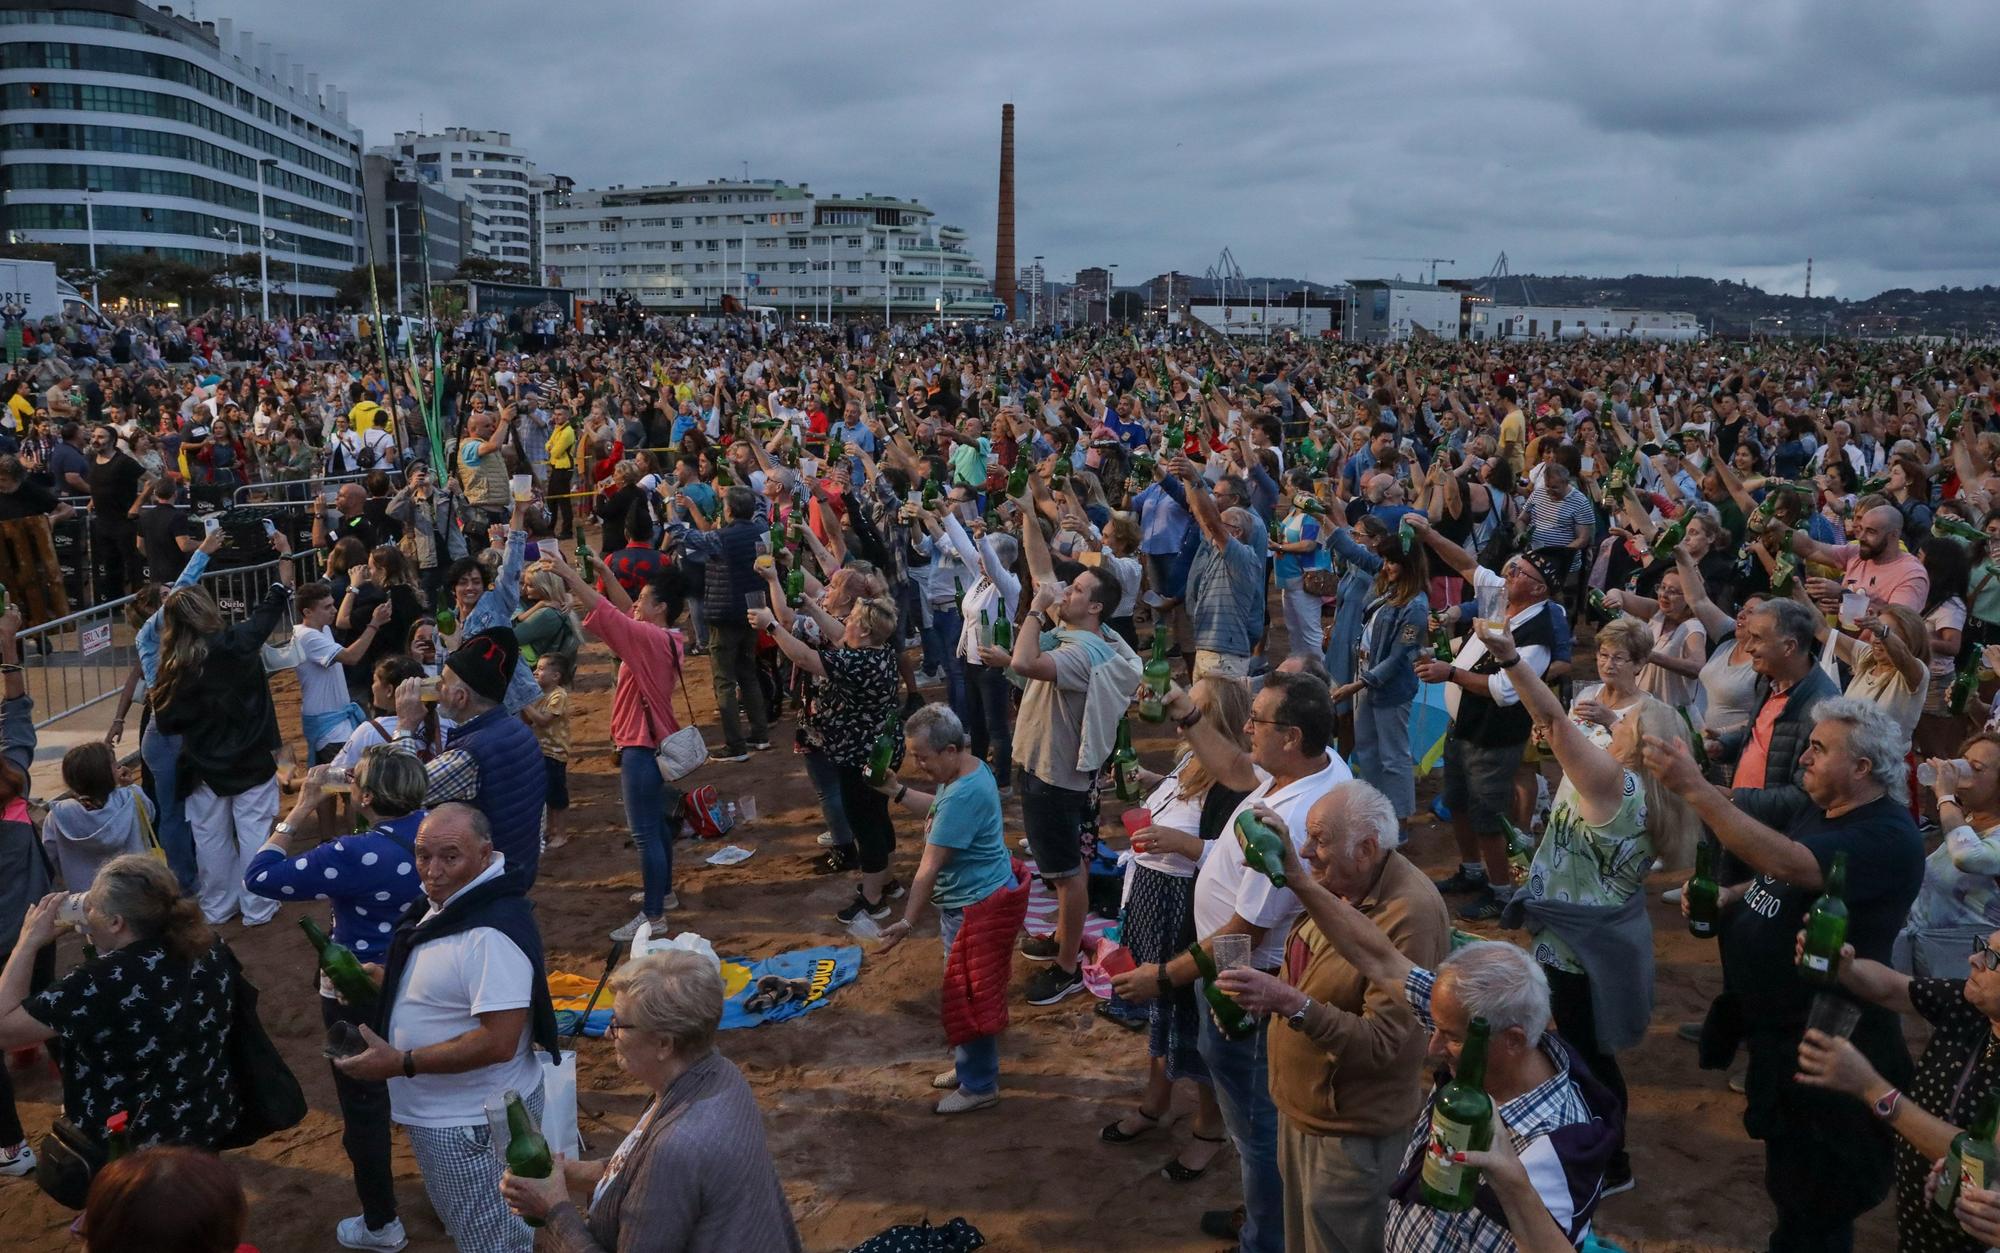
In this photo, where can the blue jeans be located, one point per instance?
(991, 719)
(645, 795)
(1382, 749)
(162, 755)
(978, 1060)
(1239, 1070)
(941, 644)
(825, 776)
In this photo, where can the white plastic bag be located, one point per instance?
(645, 942)
(559, 1104)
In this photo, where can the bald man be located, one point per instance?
(1875, 564)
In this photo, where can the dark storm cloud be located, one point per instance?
(1711, 137)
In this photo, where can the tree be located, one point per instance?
(71, 262)
(158, 280)
(487, 270)
(352, 291)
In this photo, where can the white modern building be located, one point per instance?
(130, 128)
(683, 247)
(1525, 322)
(1391, 310)
(501, 186)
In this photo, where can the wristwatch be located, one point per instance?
(1297, 1018)
(284, 830)
(1885, 1105)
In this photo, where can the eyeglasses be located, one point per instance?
(1983, 955)
(614, 1026)
(1273, 722)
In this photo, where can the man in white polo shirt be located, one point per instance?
(464, 994)
(1288, 768)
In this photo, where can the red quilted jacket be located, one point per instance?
(973, 1002)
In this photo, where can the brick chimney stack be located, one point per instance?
(1003, 259)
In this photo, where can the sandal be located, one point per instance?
(1113, 1133)
(1181, 1173)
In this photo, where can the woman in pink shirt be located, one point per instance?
(649, 651)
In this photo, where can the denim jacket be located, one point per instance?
(1397, 636)
(1357, 567)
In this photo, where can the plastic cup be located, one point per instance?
(756, 600)
(1136, 820)
(1834, 1014)
(1492, 607)
(746, 808)
(1853, 607)
(70, 912)
(1232, 951)
(524, 487)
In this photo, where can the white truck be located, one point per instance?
(32, 291)
(28, 289)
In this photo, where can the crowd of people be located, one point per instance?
(955, 573)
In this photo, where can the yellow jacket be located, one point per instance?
(562, 447)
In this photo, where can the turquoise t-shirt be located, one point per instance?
(965, 817)
(1299, 526)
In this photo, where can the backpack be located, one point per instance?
(702, 812)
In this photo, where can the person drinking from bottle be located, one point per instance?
(370, 879)
(1489, 727)
(1188, 809)
(1825, 1162)
(1960, 899)
(1345, 1068)
(1956, 1081)
(694, 1175)
(1286, 769)
(1583, 897)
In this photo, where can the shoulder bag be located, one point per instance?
(68, 1159)
(685, 751)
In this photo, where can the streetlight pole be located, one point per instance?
(263, 253)
(90, 229)
(396, 249)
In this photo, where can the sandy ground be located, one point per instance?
(844, 1089)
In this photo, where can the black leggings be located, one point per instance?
(364, 1108)
(868, 817)
(10, 1119)
(1569, 1001)
(562, 508)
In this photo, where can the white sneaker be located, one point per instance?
(963, 1102)
(668, 902)
(825, 839)
(946, 1080)
(20, 1160)
(354, 1233)
(1671, 896)
(624, 934)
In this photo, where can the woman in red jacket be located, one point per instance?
(981, 894)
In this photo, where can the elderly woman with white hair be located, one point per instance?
(695, 1174)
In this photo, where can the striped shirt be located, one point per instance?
(1529, 1118)
(1553, 523)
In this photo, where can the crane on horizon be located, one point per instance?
(1433, 262)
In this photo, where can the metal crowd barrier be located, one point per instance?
(74, 662)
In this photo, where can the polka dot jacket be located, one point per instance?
(371, 878)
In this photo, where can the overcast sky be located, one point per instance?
(1713, 137)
